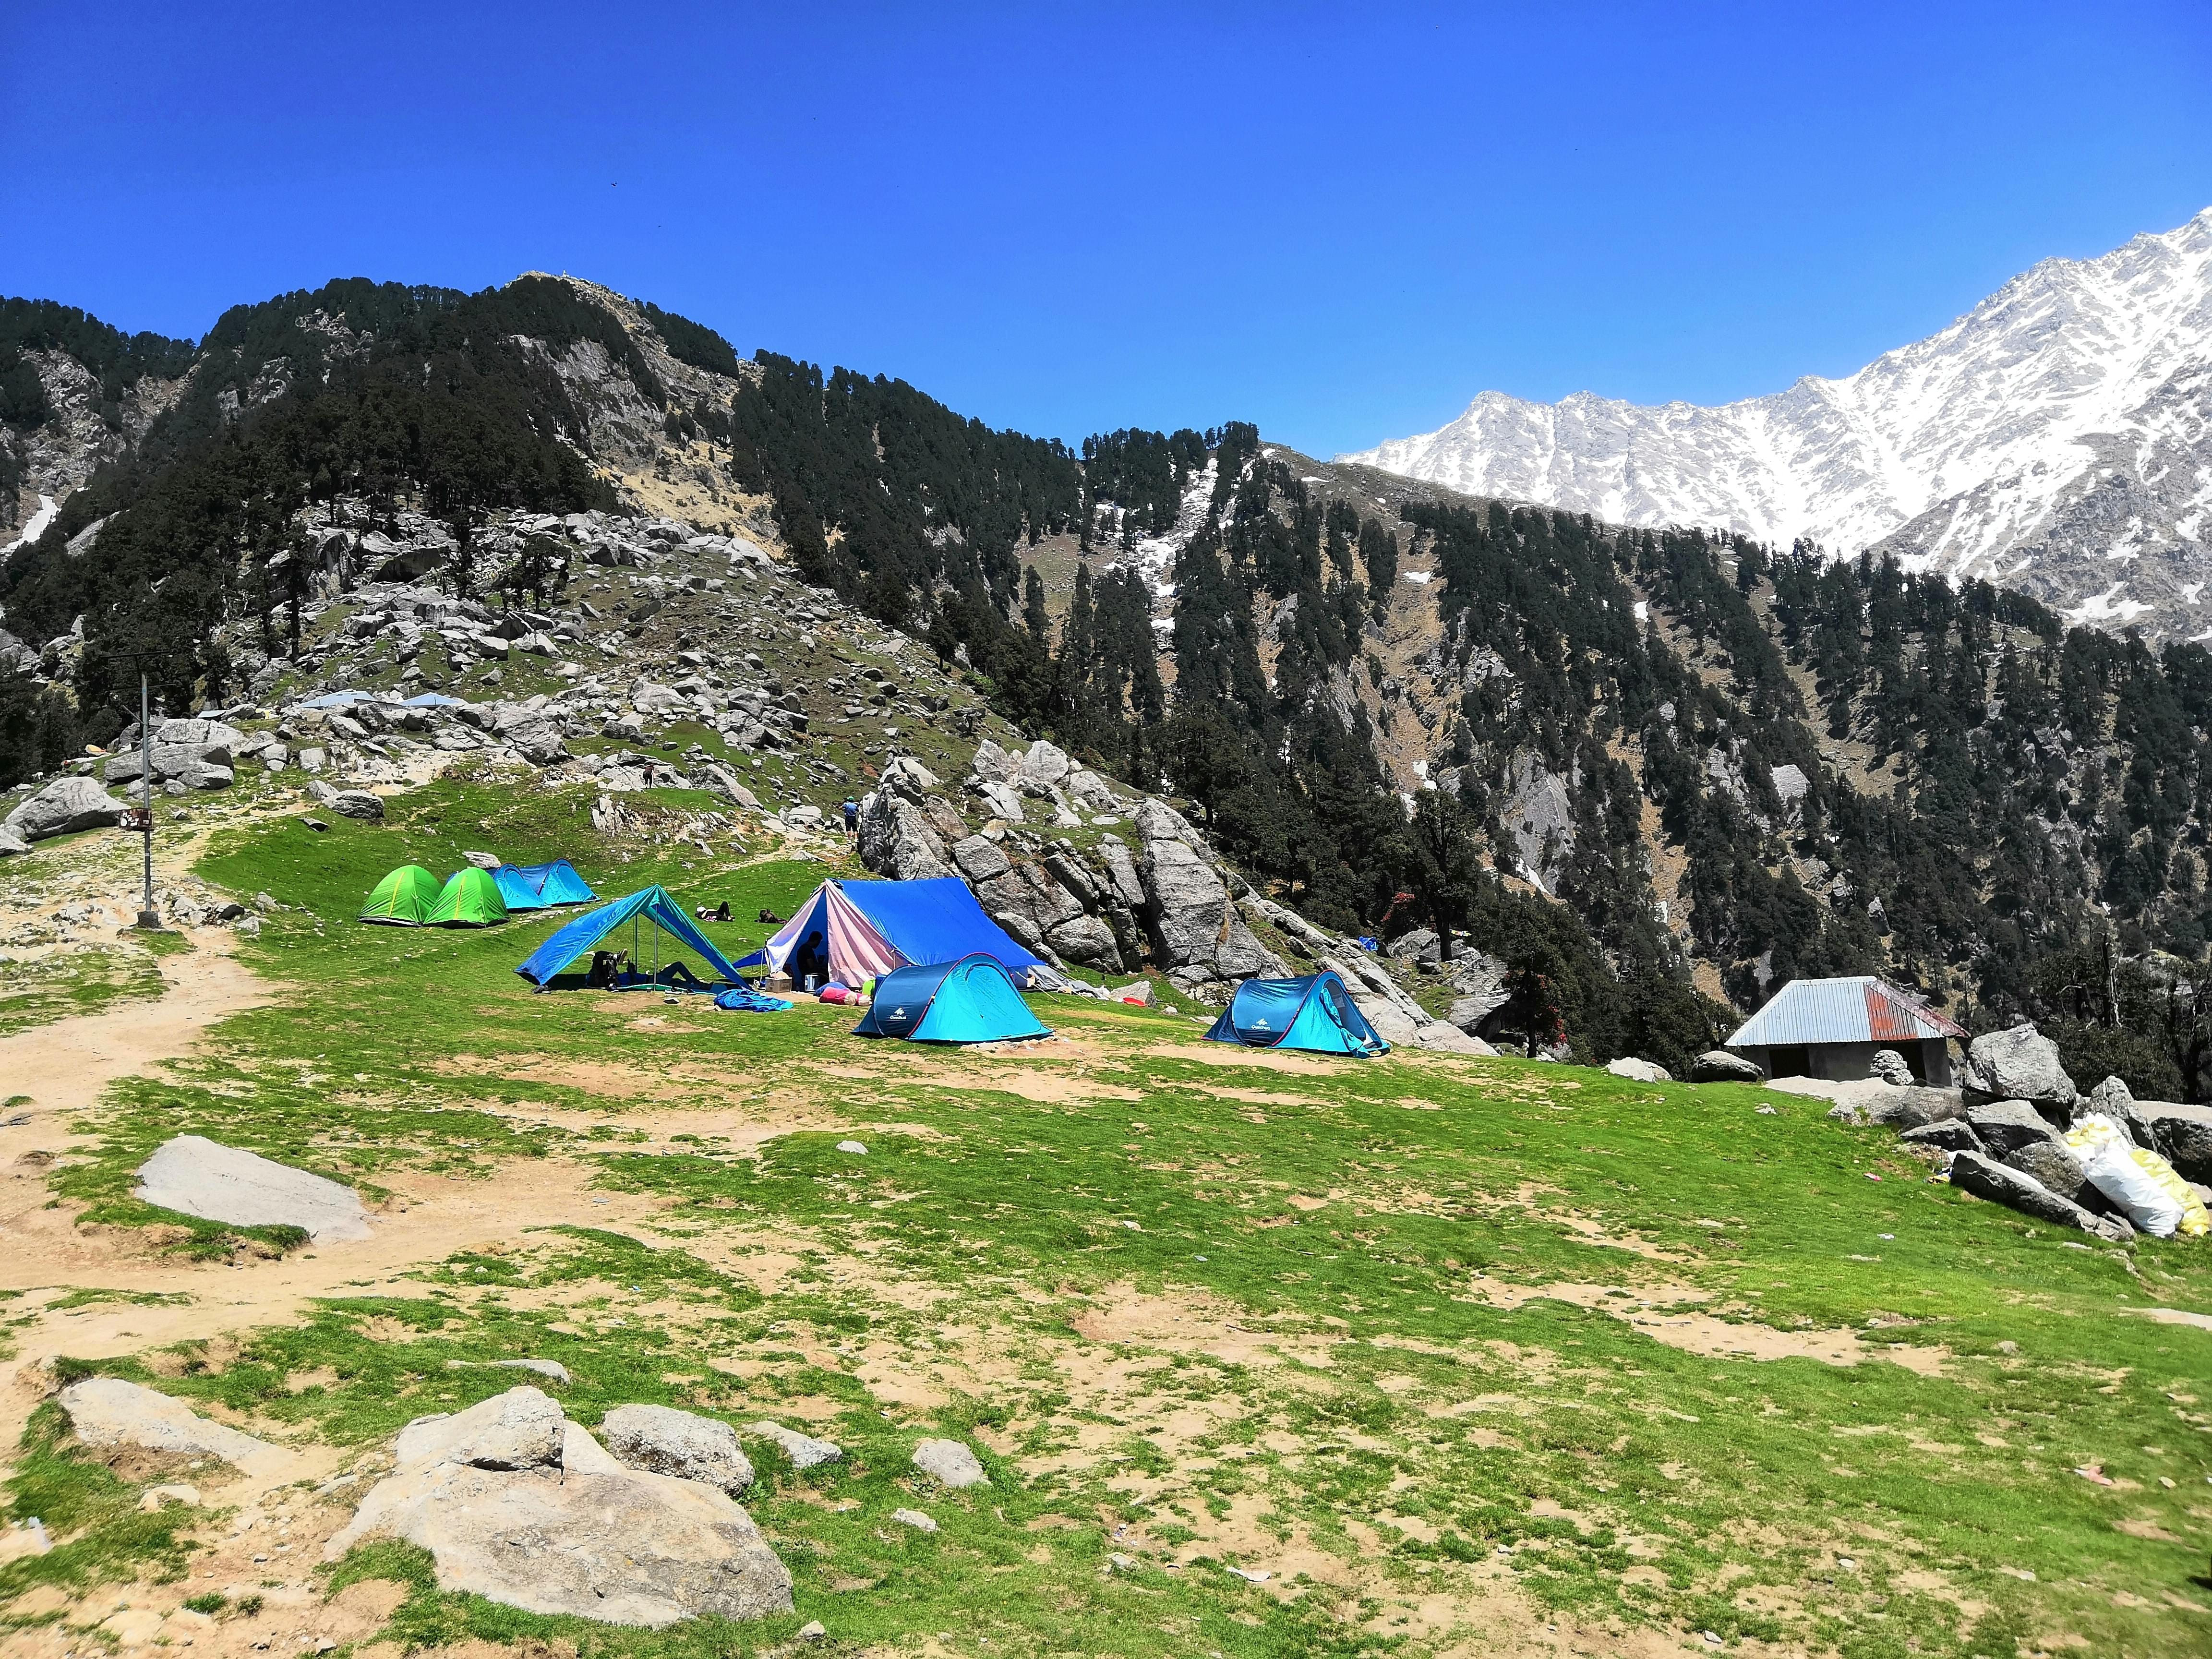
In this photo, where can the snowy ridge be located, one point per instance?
(2057, 439)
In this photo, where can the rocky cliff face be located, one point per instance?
(2057, 439)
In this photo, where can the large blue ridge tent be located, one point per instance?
(851, 930)
(650, 904)
(1314, 1013)
(970, 1000)
(540, 886)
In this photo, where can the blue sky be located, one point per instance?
(1338, 222)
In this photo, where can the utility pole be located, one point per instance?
(148, 918)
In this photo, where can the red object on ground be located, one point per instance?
(832, 994)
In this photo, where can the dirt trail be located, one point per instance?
(64, 1066)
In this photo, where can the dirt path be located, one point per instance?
(65, 1066)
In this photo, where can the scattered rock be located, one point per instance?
(1889, 1067)
(155, 1499)
(2001, 1185)
(1639, 1070)
(552, 1368)
(804, 1450)
(2112, 1099)
(914, 1518)
(1955, 1135)
(853, 1146)
(357, 804)
(106, 1411)
(2016, 1064)
(951, 1462)
(521, 1429)
(666, 1441)
(201, 1178)
(812, 1631)
(1719, 1066)
(1910, 1106)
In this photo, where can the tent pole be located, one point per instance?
(656, 953)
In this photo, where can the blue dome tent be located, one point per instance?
(1314, 1013)
(541, 886)
(649, 904)
(970, 1000)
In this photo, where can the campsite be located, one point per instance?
(1262, 1352)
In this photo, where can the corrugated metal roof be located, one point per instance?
(1863, 1009)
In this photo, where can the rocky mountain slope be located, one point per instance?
(1585, 785)
(2056, 440)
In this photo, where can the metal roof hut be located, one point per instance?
(1830, 1029)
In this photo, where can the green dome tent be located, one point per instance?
(470, 900)
(403, 899)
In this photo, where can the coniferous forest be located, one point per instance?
(1829, 766)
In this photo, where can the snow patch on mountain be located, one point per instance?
(2064, 422)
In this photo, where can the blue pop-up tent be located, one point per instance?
(1315, 1013)
(652, 904)
(851, 930)
(540, 886)
(970, 1000)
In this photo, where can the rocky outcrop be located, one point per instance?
(1639, 1070)
(63, 807)
(950, 1463)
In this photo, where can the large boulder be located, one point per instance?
(66, 804)
(980, 858)
(106, 1412)
(196, 753)
(2006, 1126)
(2052, 1162)
(896, 840)
(804, 1450)
(1952, 1135)
(538, 739)
(2014, 1188)
(1041, 769)
(1186, 906)
(1000, 799)
(1910, 1106)
(2112, 1099)
(1639, 1070)
(1889, 1067)
(1089, 941)
(521, 1429)
(666, 1441)
(1155, 820)
(2020, 1064)
(195, 1175)
(623, 1548)
(2183, 1135)
(1714, 1065)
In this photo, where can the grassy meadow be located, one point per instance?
(1265, 1355)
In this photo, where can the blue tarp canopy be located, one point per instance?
(970, 1000)
(848, 930)
(1315, 1013)
(537, 886)
(652, 904)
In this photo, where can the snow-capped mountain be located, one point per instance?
(2058, 438)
